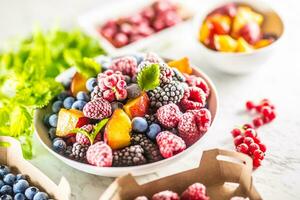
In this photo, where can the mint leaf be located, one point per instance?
(148, 77)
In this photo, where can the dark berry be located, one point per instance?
(6, 189)
(6, 197)
(62, 96)
(53, 120)
(1, 183)
(20, 177)
(133, 91)
(56, 106)
(91, 84)
(41, 196)
(82, 96)
(30, 192)
(115, 105)
(9, 179)
(78, 105)
(59, 145)
(139, 124)
(20, 186)
(46, 120)
(154, 129)
(19, 196)
(4, 170)
(52, 133)
(129, 156)
(68, 102)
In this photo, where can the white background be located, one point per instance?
(278, 178)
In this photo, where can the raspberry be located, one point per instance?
(165, 195)
(169, 144)
(97, 109)
(99, 154)
(127, 65)
(193, 98)
(153, 58)
(239, 198)
(197, 81)
(141, 198)
(197, 191)
(193, 124)
(168, 115)
(82, 139)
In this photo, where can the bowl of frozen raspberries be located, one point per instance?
(139, 112)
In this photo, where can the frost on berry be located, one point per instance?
(97, 109)
(199, 82)
(196, 191)
(126, 64)
(153, 58)
(165, 195)
(169, 144)
(193, 98)
(169, 115)
(99, 154)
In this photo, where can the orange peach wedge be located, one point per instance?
(67, 121)
(137, 107)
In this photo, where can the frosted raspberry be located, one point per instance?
(82, 139)
(166, 195)
(169, 144)
(193, 98)
(141, 198)
(197, 81)
(97, 109)
(197, 191)
(99, 154)
(193, 124)
(239, 198)
(169, 115)
(127, 65)
(153, 58)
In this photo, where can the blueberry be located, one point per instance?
(62, 96)
(9, 179)
(133, 91)
(30, 192)
(41, 196)
(53, 120)
(139, 58)
(78, 105)
(20, 177)
(1, 183)
(6, 197)
(82, 96)
(46, 119)
(19, 196)
(90, 84)
(127, 79)
(6, 189)
(154, 129)
(139, 124)
(4, 170)
(56, 106)
(52, 133)
(20, 186)
(68, 102)
(59, 145)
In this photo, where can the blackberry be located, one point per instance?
(79, 152)
(169, 93)
(151, 149)
(96, 93)
(68, 151)
(177, 75)
(129, 156)
(151, 118)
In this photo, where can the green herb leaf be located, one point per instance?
(88, 67)
(148, 77)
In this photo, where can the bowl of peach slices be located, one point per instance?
(128, 114)
(238, 37)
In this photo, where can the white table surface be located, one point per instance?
(278, 79)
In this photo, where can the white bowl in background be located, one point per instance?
(98, 16)
(42, 135)
(244, 62)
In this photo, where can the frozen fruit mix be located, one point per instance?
(234, 28)
(159, 15)
(137, 110)
(18, 186)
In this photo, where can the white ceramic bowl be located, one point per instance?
(98, 16)
(241, 63)
(42, 134)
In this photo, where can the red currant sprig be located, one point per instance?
(265, 109)
(247, 141)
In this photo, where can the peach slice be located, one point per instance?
(243, 46)
(67, 121)
(137, 107)
(183, 65)
(225, 43)
(78, 83)
(117, 130)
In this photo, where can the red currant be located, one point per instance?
(250, 105)
(258, 122)
(247, 126)
(253, 147)
(238, 140)
(258, 154)
(235, 132)
(258, 108)
(248, 141)
(256, 139)
(262, 147)
(250, 132)
(256, 162)
(272, 116)
(243, 148)
(266, 111)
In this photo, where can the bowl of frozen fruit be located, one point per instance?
(238, 37)
(138, 113)
(132, 25)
